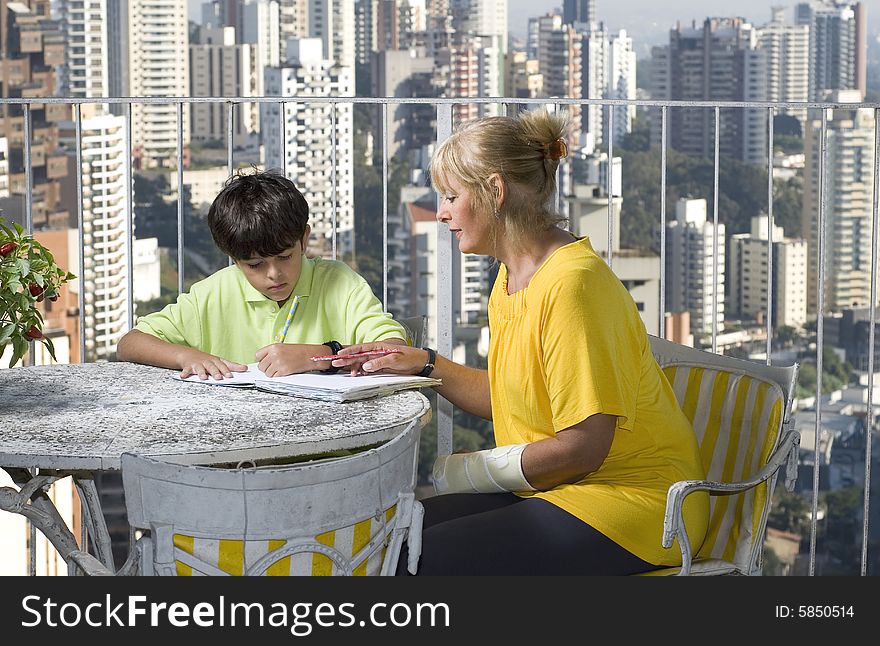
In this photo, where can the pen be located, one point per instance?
(290, 314)
(356, 355)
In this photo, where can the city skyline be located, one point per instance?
(649, 22)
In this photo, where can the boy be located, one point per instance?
(236, 315)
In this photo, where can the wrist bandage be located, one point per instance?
(490, 471)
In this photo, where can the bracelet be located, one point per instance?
(429, 366)
(335, 347)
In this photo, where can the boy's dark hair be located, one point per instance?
(258, 214)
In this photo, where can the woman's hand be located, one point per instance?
(403, 359)
(196, 362)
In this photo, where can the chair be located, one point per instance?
(741, 413)
(416, 329)
(336, 516)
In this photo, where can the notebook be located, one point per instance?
(338, 387)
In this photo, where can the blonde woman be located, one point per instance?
(588, 432)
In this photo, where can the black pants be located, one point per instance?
(486, 534)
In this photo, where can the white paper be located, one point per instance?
(341, 386)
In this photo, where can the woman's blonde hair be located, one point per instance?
(524, 151)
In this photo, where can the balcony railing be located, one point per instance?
(444, 314)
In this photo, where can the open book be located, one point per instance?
(339, 387)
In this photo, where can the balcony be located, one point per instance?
(434, 255)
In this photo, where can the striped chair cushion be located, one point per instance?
(737, 419)
(234, 557)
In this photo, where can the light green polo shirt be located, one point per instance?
(225, 316)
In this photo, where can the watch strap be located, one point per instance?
(429, 366)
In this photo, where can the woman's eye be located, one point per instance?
(450, 198)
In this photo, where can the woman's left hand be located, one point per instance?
(401, 360)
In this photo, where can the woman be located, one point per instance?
(588, 433)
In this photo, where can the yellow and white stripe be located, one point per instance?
(234, 557)
(737, 419)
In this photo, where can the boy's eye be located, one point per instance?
(285, 257)
(254, 265)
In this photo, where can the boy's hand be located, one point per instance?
(280, 359)
(195, 362)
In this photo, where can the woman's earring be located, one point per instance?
(497, 213)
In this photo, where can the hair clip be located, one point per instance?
(556, 150)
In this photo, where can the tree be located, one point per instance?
(790, 512)
(835, 374)
(742, 192)
(785, 336)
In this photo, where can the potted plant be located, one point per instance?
(28, 275)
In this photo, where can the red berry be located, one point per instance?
(7, 248)
(35, 289)
(34, 333)
(53, 297)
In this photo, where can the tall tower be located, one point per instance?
(788, 63)
(717, 61)
(838, 47)
(690, 273)
(158, 66)
(579, 11)
(308, 158)
(85, 73)
(31, 46)
(849, 176)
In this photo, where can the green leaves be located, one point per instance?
(28, 275)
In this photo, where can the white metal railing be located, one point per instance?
(444, 125)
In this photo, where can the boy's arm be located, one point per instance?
(140, 347)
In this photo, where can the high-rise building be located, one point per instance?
(333, 22)
(595, 58)
(524, 79)
(404, 73)
(694, 271)
(717, 61)
(561, 65)
(748, 274)
(260, 27)
(308, 138)
(838, 46)
(158, 66)
(579, 11)
(31, 47)
(787, 50)
(85, 72)
(849, 168)
(220, 67)
(105, 227)
(621, 83)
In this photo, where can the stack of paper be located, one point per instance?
(339, 387)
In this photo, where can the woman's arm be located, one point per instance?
(571, 455)
(467, 388)
(566, 458)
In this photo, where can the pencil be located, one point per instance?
(290, 314)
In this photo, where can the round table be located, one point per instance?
(75, 419)
(84, 416)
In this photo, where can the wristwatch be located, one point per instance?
(335, 347)
(429, 366)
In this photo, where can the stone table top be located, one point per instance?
(84, 416)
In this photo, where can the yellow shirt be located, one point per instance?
(571, 345)
(225, 316)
